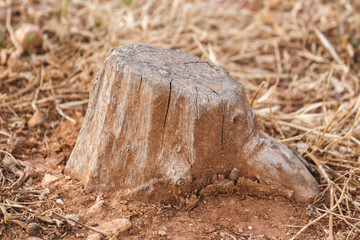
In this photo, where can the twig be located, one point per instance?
(11, 31)
(10, 163)
(256, 93)
(331, 217)
(7, 216)
(277, 56)
(201, 47)
(11, 156)
(20, 223)
(73, 103)
(320, 167)
(326, 128)
(314, 131)
(19, 206)
(22, 176)
(60, 111)
(325, 92)
(82, 224)
(5, 134)
(271, 112)
(328, 46)
(33, 102)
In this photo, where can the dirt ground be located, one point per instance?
(298, 60)
(224, 216)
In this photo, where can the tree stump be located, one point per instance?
(162, 123)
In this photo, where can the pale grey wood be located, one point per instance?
(161, 123)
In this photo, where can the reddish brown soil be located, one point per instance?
(216, 217)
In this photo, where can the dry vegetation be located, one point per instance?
(299, 61)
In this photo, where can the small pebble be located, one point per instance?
(48, 179)
(94, 236)
(162, 233)
(59, 201)
(214, 178)
(79, 235)
(97, 206)
(116, 226)
(29, 36)
(156, 220)
(220, 177)
(36, 119)
(234, 174)
(33, 229)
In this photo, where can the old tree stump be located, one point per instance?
(162, 123)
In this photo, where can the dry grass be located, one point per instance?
(306, 54)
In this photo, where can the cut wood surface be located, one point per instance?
(162, 123)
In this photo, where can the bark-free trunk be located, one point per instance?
(161, 123)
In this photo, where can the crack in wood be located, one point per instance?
(223, 117)
(222, 123)
(168, 104)
(196, 101)
(141, 80)
(167, 110)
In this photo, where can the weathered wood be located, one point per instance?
(161, 123)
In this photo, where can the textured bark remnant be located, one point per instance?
(161, 123)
